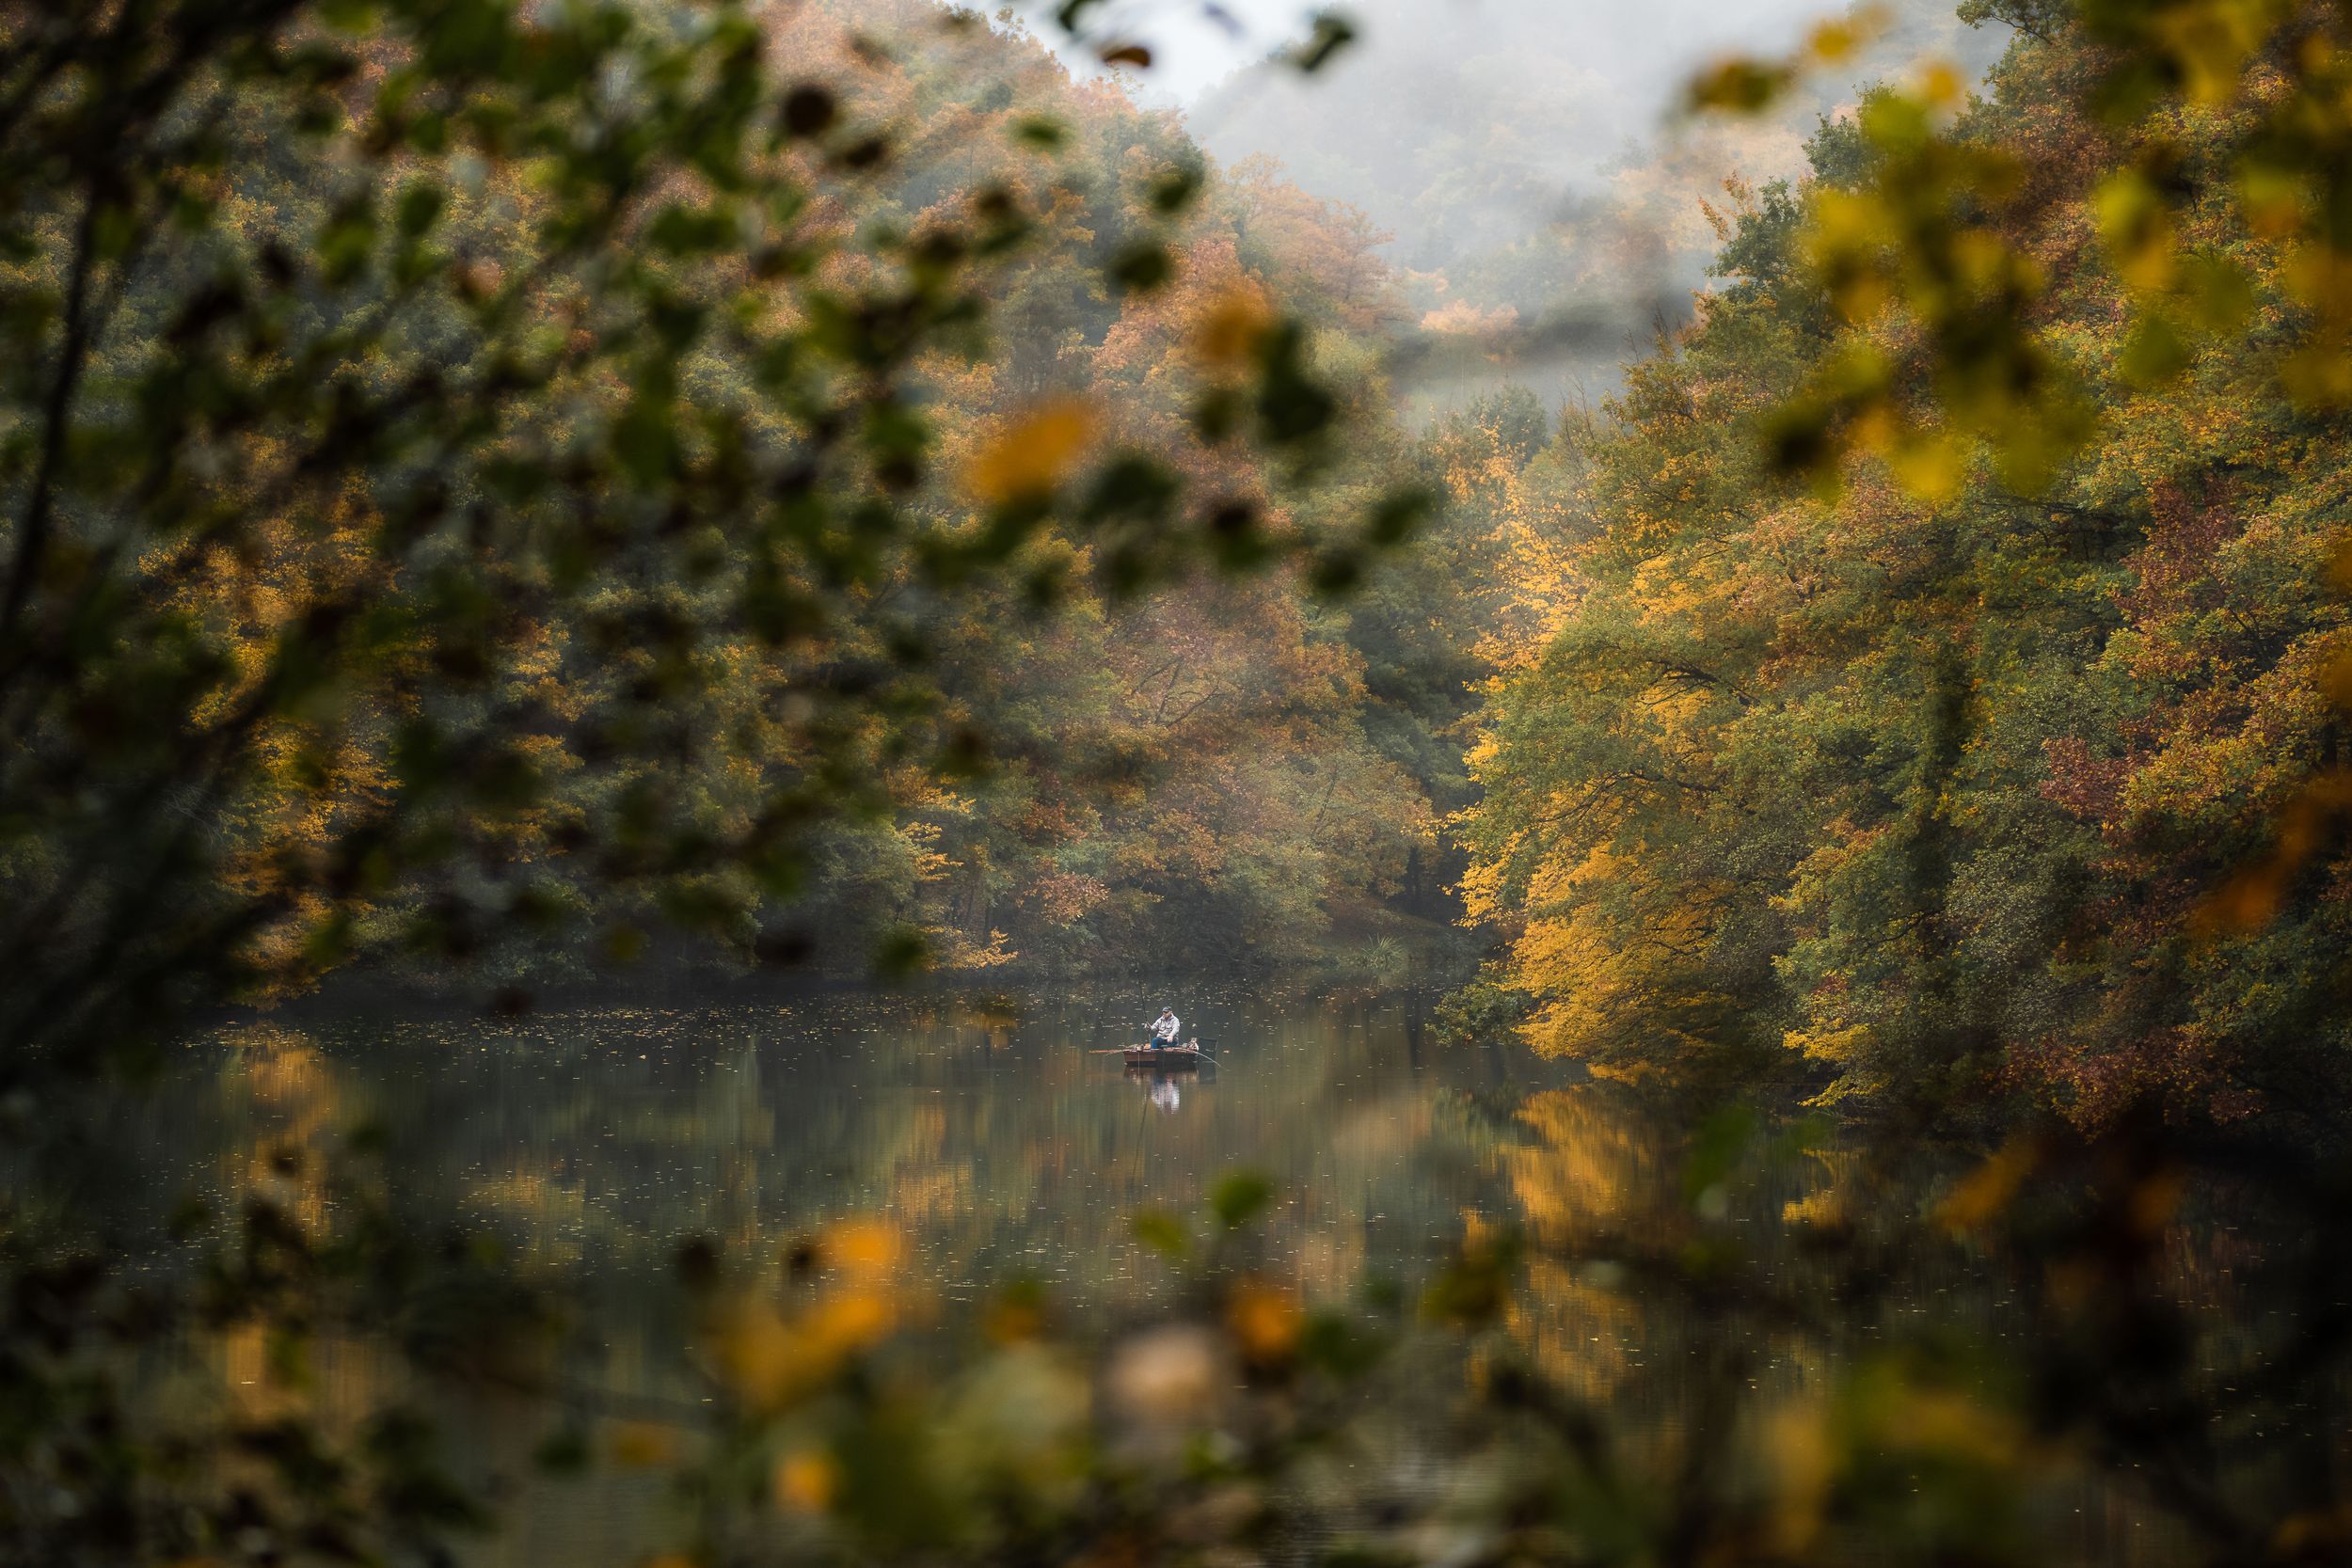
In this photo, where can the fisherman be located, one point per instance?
(1165, 1029)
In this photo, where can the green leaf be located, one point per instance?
(1041, 130)
(1163, 1234)
(1238, 1197)
(1332, 33)
(421, 207)
(1142, 267)
(1716, 1149)
(1173, 191)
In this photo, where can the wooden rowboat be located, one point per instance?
(1174, 1056)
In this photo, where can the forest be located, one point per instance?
(1811, 632)
(1999, 763)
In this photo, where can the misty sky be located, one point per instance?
(1521, 160)
(1649, 43)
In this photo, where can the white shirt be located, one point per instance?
(1165, 1029)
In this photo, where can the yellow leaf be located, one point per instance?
(2137, 227)
(1830, 41)
(2211, 42)
(1834, 41)
(1930, 468)
(1939, 1421)
(2273, 200)
(1031, 457)
(1979, 1197)
(1740, 85)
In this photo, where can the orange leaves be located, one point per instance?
(806, 1481)
(1031, 458)
(863, 1247)
(1265, 1320)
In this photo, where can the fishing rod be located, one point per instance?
(1123, 1049)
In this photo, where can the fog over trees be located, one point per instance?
(1526, 163)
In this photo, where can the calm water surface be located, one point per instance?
(596, 1141)
(988, 1129)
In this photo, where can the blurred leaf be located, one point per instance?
(1239, 1196)
(1738, 85)
(902, 955)
(1982, 1197)
(1142, 267)
(563, 1452)
(1332, 32)
(1162, 1233)
(1717, 1145)
(808, 109)
(1034, 454)
(640, 1446)
(1042, 131)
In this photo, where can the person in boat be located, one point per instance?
(1164, 1029)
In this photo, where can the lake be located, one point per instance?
(986, 1130)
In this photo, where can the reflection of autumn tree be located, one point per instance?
(1587, 1172)
(297, 1103)
(592, 1143)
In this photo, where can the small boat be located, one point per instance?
(1184, 1056)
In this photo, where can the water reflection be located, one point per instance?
(597, 1140)
(1004, 1138)
(1161, 1088)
